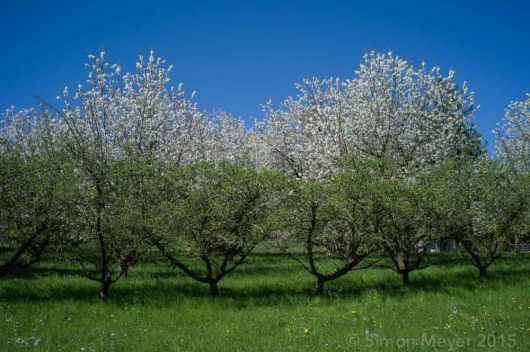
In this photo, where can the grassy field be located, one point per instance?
(268, 305)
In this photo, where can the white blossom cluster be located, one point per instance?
(117, 115)
(19, 130)
(513, 136)
(388, 109)
(138, 113)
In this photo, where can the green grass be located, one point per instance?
(268, 305)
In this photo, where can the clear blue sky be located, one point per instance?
(238, 54)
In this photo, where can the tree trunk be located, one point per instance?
(12, 262)
(214, 290)
(482, 272)
(104, 289)
(124, 271)
(516, 246)
(104, 280)
(405, 277)
(6, 268)
(320, 286)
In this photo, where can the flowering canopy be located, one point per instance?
(139, 114)
(389, 109)
(513, 137)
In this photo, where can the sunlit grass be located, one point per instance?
(269, 304)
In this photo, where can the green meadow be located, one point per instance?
(269, 304)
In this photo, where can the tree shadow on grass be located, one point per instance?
(157, 283)
(159, 292)
(451, 283)
(37, 271)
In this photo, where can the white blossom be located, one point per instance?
(513, 136)
(388, 109)
(139, 113)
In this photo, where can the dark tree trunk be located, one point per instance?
(6, 268)
(405, 277)
(104, 289)
(482, 272)
(105, 276)
(320, 286)
(13, 261)
(214, 290)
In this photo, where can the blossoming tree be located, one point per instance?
(334, 222)
(118, 119)
(210, 217)
(33, 191)
(389, 109)
(482, 204)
